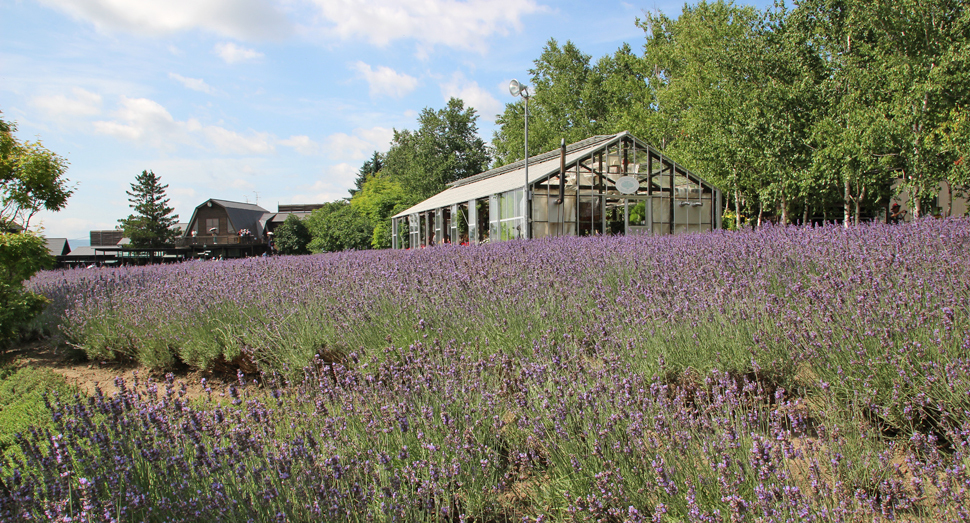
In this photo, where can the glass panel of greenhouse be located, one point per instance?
(613, 184)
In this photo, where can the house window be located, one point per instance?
(212, 226)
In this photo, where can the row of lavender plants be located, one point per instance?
(433, 433)
(778, 374)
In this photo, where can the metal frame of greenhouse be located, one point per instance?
(614, 184)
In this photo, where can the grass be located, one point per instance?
(22, 405)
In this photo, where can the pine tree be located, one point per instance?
(370, 168)
(151, 226)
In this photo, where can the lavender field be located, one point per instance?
(785, 374)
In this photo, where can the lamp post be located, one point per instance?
(518, 89)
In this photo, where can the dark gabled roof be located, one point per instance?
(241, 215)
(58, 246)
(238, 205)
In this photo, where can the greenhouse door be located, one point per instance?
(637, 214)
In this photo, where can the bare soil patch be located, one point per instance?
(87, 375)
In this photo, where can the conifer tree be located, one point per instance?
(151, 225)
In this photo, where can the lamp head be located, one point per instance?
(518, 89)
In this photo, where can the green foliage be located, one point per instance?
(954, 137)
(920, 49)
(379, 198)
(705, 63)
(22, 405)
(371, 167)
(828, 103)
(293, 236)
(446, 147)
(339, 227)
(567, 102)
(381, 237)
(628, 94)
(21, 255)
(31, 179)
(151, 225)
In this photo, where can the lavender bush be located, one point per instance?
(431, 433)
(781, 374)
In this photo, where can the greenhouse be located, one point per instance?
(612, 184)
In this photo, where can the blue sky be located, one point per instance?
(265, 101)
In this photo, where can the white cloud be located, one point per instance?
(302, 143)
(385, 80)
(196, 84)
(453, 23)
(344, 174)
(242, 19)
(360, 145)
(333, 185)
(182, 191)
(379, 137)
(473, 95)
(227, 178)
(233, 53)
(232, 142)
(242, 185)
(146, 121)
(183, 198)
(342, 146)
(72, 227)
(83, 103)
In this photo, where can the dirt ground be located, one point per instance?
(70, 363)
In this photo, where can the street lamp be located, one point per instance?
(518, 89)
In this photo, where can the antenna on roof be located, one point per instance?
(257, 197)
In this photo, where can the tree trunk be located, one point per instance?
(737, 209)
(949, 200)
(858, 203)
(805, 212)
(761, 212)
(846, 205)
(784, 209)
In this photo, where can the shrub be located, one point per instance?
(21, 256)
